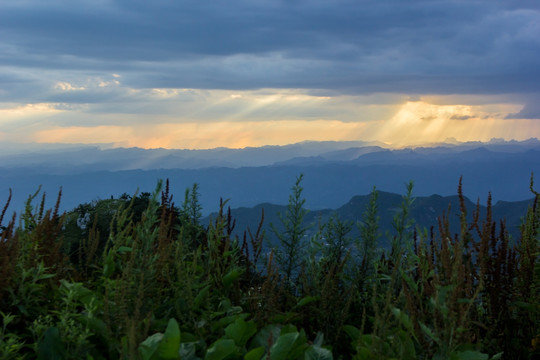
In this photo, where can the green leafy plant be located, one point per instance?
(139, 278)
(291, 239)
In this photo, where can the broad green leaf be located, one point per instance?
(367, 339)
(407, 349)
(363, 353)
(318, 353)
(231, 277)
(266, 337)
(221, 349)
(95, 324)
(170, 343)
(200, 297)
(226, 321)
(352, 331)
(240, 331)
(189, 337)
(108, 265)
(124, 249)
(299, 346)
(188, 350)
(51, 347)
(289, 328)
(255, 354)
(306, 300)
(283, 346)
(149, 347)
(319, 339)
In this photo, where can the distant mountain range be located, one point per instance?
(70, 159)
(334, 172)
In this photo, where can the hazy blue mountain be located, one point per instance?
(426, 211)
(334, 172)
(71, 159)
(350, 153)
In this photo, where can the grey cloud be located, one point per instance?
(415, 47)
(531, 110)
(460, 117)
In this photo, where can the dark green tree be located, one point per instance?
(190, 217)
(337, 241)
(367, 243)
(192, 208)
(87, 228)
(291, 247)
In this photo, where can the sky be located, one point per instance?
(202, 74)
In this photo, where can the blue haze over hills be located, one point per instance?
(334, 172)
(425, 210)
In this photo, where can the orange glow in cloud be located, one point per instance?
(408, 124)
(206, 135)
(29, 110)
(420, 122)
(416, 123)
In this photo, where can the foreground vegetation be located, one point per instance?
(139, 278)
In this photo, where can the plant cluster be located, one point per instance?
(140, 278)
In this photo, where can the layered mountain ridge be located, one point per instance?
(334, 172)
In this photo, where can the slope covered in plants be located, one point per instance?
(141, 278)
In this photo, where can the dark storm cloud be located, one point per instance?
(531, 110)
(355, 46)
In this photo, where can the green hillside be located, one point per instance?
(138, 277)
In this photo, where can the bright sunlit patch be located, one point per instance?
(165, 93)
(104, 83)
(66, 86)
(88, 83)
(206, 135)
(418, 122)
(79, 134)
(202, 119)
(265, 105)
(29, 110)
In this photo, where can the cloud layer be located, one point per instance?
(107, 62)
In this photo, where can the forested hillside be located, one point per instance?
(425, 210)
(142, 277)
